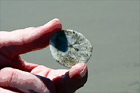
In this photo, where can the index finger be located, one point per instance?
(29, 39)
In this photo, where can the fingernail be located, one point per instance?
(79, 70)
(55, 19)
(83, 72)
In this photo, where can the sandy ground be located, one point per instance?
(111, 26)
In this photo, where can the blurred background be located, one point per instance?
(112, 27)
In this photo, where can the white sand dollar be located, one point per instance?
(69, 47)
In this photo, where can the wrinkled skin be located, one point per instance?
(17, 75)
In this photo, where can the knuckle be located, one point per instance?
(7, 75)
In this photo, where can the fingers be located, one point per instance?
(29, 39)
(77, 76)
(70, 81)
(66, 81)
(78, 71)
(21, 81)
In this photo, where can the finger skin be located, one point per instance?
(17, 42)
(72, 80)
(25, 82)
(66, 81)
(29, 39)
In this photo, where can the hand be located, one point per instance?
(16, 75)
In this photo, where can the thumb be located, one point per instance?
(29, 39)
(72, 80)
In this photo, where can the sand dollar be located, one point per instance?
(69, 47)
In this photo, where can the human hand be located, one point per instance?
(16, 75)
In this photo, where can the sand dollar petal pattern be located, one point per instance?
(69, 47)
